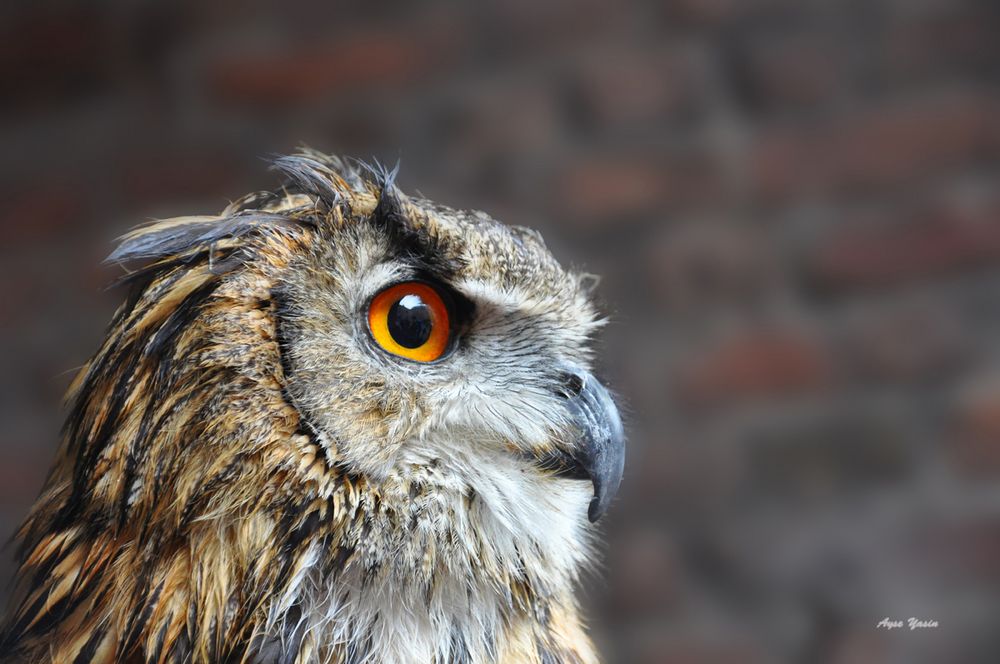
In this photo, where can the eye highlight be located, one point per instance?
(410, 320)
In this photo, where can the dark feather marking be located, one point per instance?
(282, 648)
(87, 455)
(160, 640)
(180, 650)
(14, 631)
(389, 214)
(136, 283)
(228, 262)
(422, 251)
(89, 649)
(339, 560)
(138, 619)
(87, 569)
(284, 314)
(184, 314)
(149, 297)
(459, 648)
(191, 630)
(306, 529)
(56, 614)
(194, 427)
(43, 571)
(216, 481)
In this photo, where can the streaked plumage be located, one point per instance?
(244, 477)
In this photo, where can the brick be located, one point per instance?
(604, 190)
(701, 11)
(718, 13)
(974, 445)
(895, 145)
(595, 190)
(789, 71)
(948, 40)
(757, 364)
(180, 175)
(48, 56)
(624, 90)
(859, 645)
(518, 27)
(823, 456)
(309, 72)
(966, 546)
(20, 477)
(515, 118)
(664, 472)
(35, 213)
(698, 266)
(779, 162)
(920, 342)
(709, 646)
(645, 574)
(872, 252)
(874, 149)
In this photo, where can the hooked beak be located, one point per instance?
(599, 451)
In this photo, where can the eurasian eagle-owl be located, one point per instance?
(332, 424)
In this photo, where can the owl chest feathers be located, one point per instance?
(464, 560)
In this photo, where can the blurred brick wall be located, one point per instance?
(794, 204)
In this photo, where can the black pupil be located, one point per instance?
(410, 321)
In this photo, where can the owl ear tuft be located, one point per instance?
(389, 213)
(192, 236)
(378, 174)
(308, 174)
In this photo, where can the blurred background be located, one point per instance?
(794, 204)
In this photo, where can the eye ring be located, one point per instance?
(411, 320)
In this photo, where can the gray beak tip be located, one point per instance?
(596, 509)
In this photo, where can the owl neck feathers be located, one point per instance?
(191, 516)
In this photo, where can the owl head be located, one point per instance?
(331, 411)
(415, 334)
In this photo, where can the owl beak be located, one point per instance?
(599, 452)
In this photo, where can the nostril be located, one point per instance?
(572, 384)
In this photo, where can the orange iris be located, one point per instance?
(410, 320)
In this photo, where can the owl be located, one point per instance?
(332, 424)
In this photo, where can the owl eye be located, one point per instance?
(410, 320)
